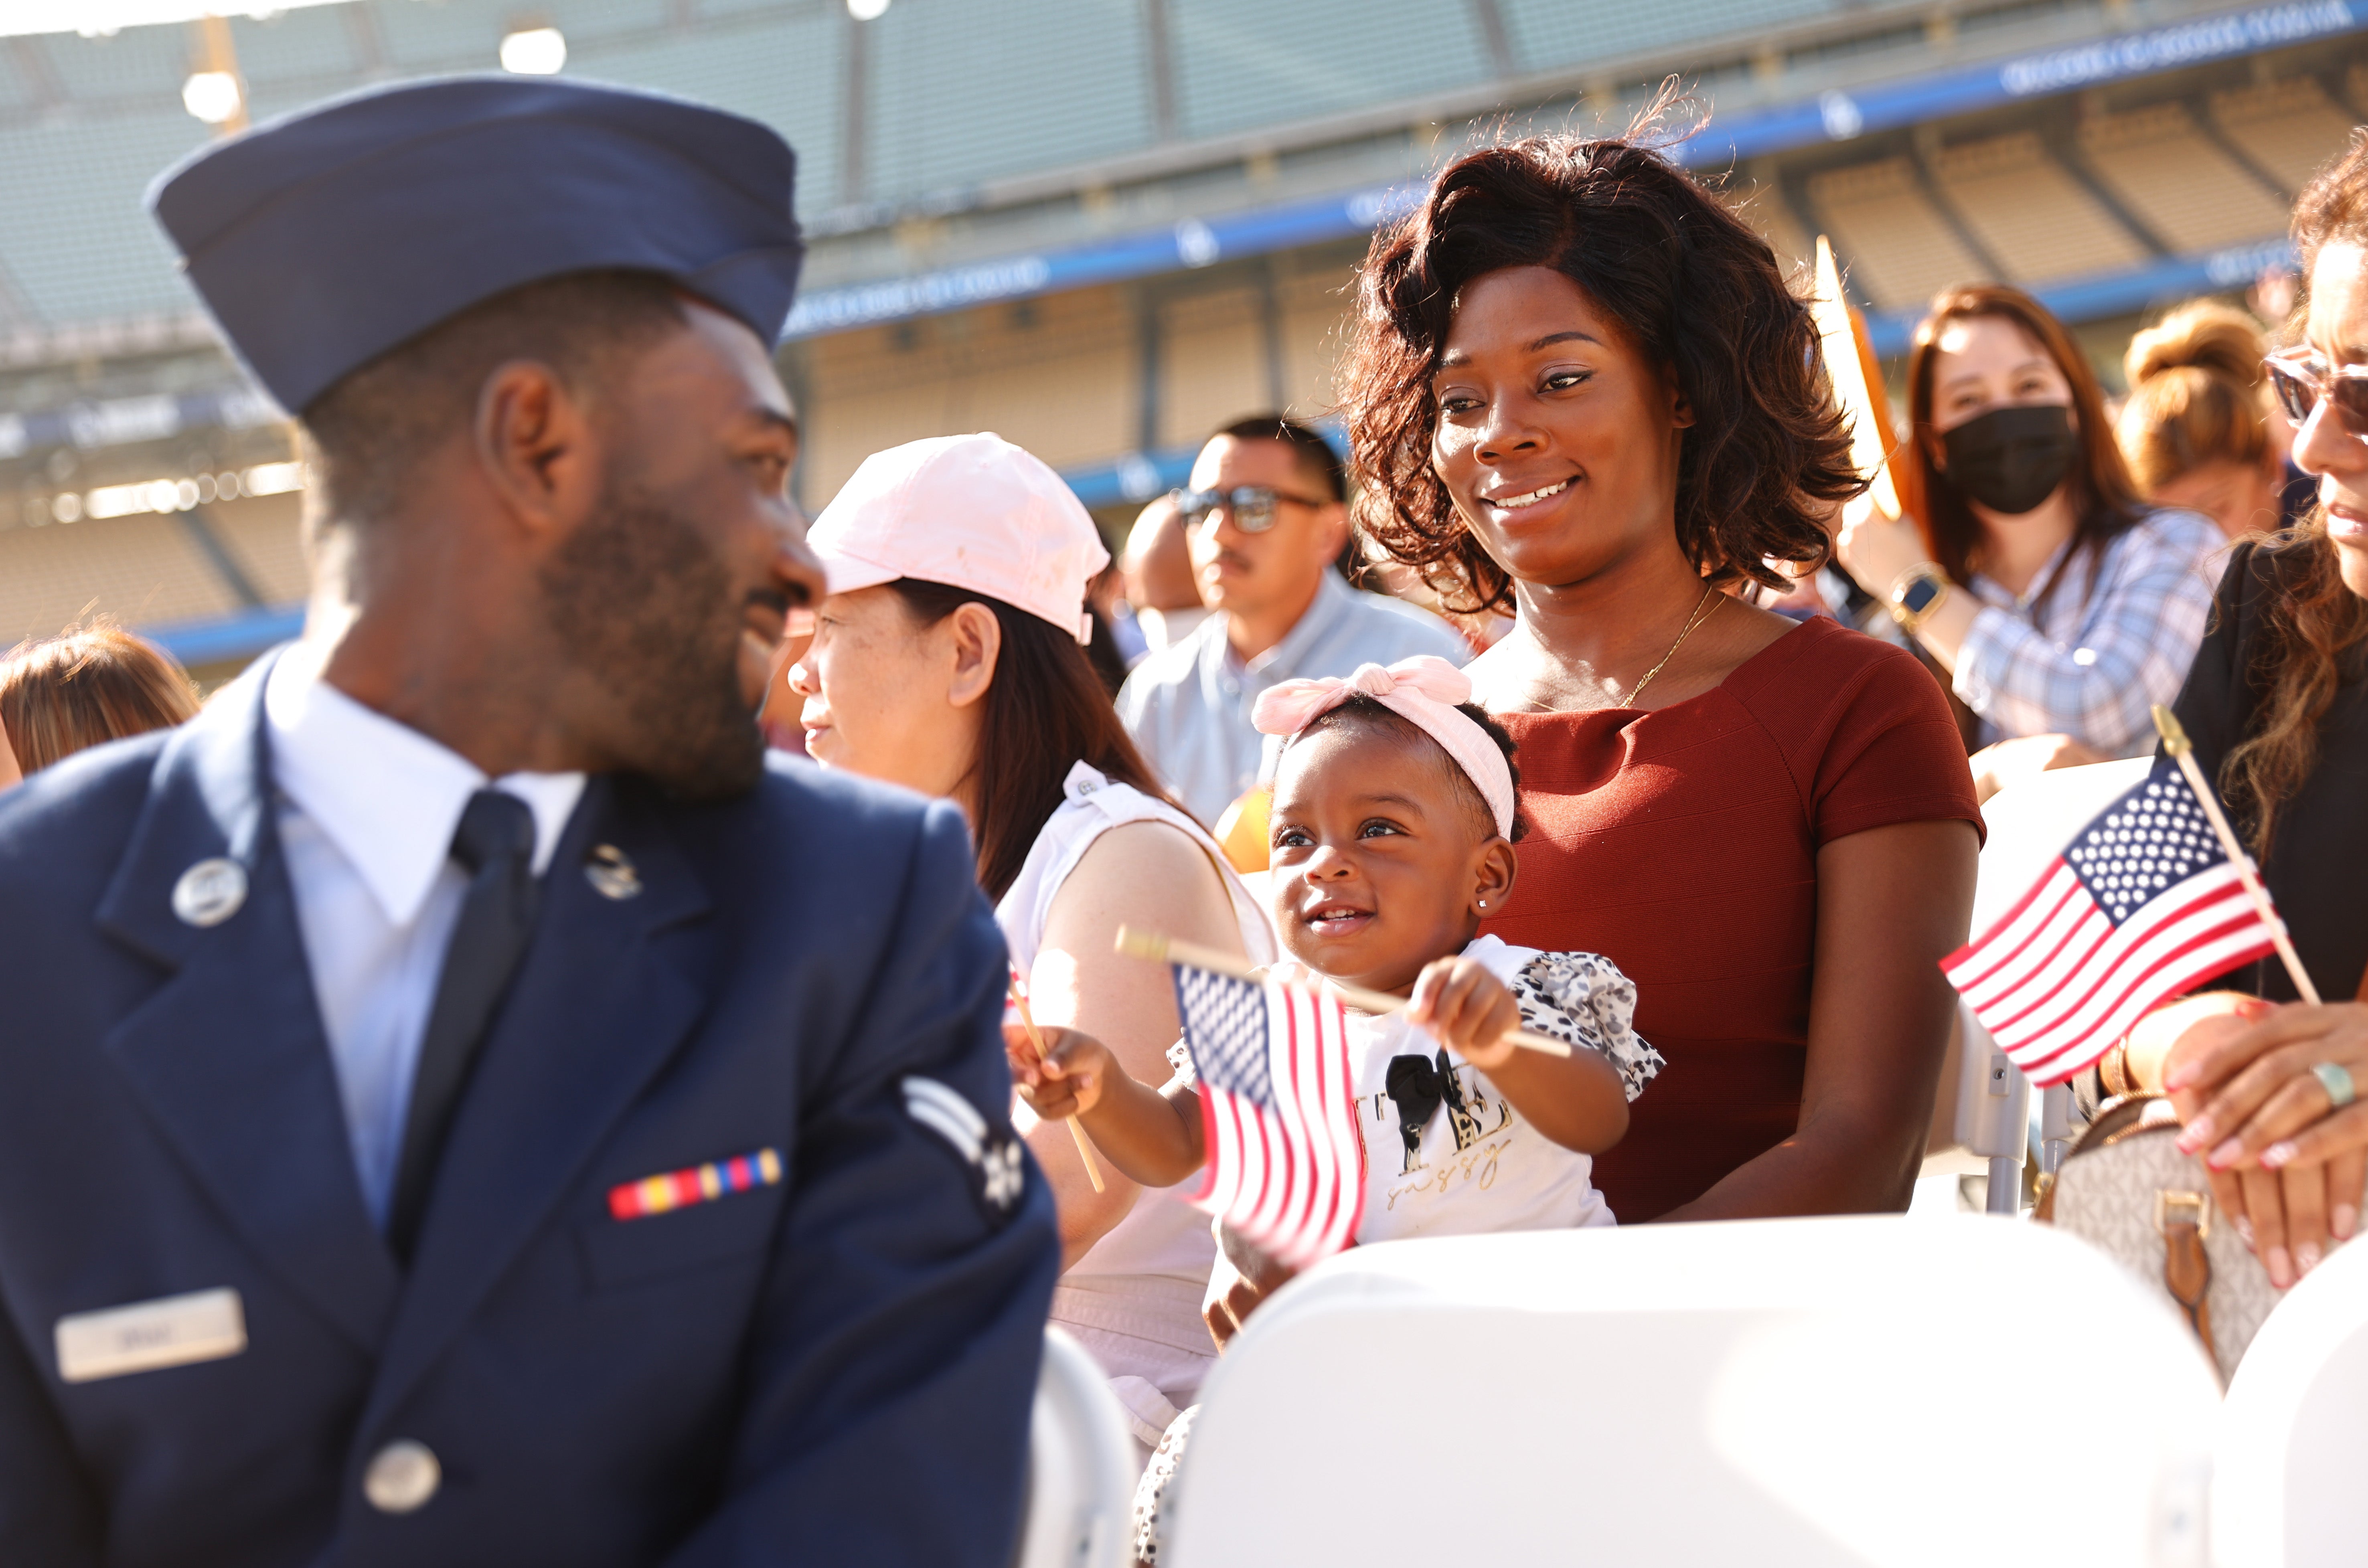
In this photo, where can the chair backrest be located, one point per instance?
(1871, 1391)
(2028, 824)
(2294, 1432)
(1081, 1466)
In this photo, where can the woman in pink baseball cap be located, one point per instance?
(949, 657)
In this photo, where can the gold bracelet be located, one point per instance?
(2114, 1069)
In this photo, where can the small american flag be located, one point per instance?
(2142, 905)
(1286, 1163)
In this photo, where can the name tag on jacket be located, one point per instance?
(171, 1330)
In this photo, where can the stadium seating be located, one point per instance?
(75, 259)
(1041, 377)
(1081, 1466)
(264, 536)
(2178, 181)
(1216, 366)
(1317, 303)
(1763, 207)
(1857, 1390)
(968, 81)
(790, 73)
(2287, 128)
(2287, 1476)
(1547, 33)
(1231, 76)
(2029, 213)
(1894, 243)
(146, 571)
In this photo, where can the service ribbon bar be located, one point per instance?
(696, 1184)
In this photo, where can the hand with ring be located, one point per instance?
(2272, 1109)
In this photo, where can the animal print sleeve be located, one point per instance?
(1584, 998)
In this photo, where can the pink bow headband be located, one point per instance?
(1424, 691)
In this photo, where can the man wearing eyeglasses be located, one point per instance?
(1266, 515)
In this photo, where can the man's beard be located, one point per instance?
(645, 605)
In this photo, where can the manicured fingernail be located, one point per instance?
(2230, 1151)
(2244, 1230)
(2277, 1155)
(2343, 1220)
(2280, 1266)
(2195, 1134)
(2306, 1256)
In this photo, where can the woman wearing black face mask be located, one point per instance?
(2061, 606)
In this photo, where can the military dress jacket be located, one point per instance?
(731, 1257)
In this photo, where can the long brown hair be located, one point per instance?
(1698, 292)
(2105, 498)
(2311, 624)
(89, 684)
(1046, 710)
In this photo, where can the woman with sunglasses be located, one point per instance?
(2278, 708)
(2061, 605)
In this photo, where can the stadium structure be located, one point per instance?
(1102, 227)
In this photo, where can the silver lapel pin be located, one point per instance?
(611, 874)
(210, 891)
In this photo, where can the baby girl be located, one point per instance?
(1391, 837)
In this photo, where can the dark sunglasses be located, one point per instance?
(2302, 379)
(1252, 506)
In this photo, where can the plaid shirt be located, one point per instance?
(2092, 660)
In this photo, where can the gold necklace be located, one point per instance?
(1692, 620)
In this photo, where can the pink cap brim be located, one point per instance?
(845, 574)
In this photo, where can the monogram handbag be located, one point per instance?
(2125, 1188)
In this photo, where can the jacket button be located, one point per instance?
(402, 1477)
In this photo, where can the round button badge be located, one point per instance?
(402, 1477)
(210, 891)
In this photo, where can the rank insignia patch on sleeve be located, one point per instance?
(998, 1169)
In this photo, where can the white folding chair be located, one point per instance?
(1081, 1466)
(1871, 1392)
(2293, 1432)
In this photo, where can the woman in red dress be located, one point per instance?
(1582, 392)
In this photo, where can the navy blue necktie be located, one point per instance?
(494, 844)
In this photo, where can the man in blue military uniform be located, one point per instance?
(458, 1103)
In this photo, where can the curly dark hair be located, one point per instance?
(2313, 625)
(1359, 709)
(1695, 290)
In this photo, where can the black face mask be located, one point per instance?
(2011, 460)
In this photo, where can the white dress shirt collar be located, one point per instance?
(388, 797)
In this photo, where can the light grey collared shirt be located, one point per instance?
(1188, 705)
(367, 810)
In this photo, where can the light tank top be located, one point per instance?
(1161, 1234)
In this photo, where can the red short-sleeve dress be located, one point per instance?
(1682, 844)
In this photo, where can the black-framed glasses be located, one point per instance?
(1252, 506)
(2302, 379)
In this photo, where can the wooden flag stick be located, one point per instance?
(1027, 1022)
(1870, 439)
(2182, 751)
(1168, 949)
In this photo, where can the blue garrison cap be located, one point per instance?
(321, 240)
